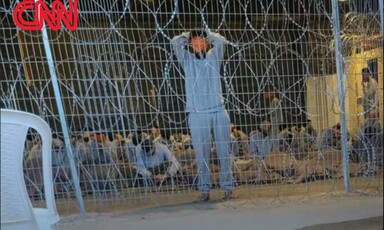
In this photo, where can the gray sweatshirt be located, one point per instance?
(202, 76)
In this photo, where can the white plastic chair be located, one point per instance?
(16, 208)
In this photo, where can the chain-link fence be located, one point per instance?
(301, 82)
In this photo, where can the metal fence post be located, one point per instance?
(340, 77)
(381, 11)
(63, 122)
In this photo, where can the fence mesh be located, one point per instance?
(120, 82)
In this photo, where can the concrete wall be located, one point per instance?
(322, 93)
(323, 101)
(355, 64)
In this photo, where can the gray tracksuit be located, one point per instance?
(205, 106)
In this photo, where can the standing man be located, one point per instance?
(200, 53)
(370, 101)
(275, 112)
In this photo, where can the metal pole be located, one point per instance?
(339, 68)
(63, 121)
(381, 11)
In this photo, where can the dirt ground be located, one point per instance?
(132, 201)
(374, 223)
(309, 214)
(310, 206)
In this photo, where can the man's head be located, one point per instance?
(307, 124)
(155, 131)
(366, 73)
(57, 143)
(233, 128)
(269, 95)
(88, 136)
(336, 129)
(235, 131)
(110, 136)
(198, 42)
(137, 137)
(372, 114)
(100, 137)
(148, 147)
(265, 127)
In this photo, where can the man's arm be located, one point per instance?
(218, 42)
(175, 166)
(142, 170)
(252, 146)
(179, 45)
(129, 153)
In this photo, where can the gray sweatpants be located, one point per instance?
(201, 126)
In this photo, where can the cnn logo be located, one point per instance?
(53, 17)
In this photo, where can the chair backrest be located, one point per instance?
(16, 206)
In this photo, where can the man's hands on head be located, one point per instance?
(184, 39)
(185, 34)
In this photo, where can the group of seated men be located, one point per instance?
(159, 155)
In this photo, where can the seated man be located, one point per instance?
(130, 151)
(260, 142)
(371, 125)
(167, 139)
(114, 146)
(369, 139)
(127, 162)
(286, 139)
(155, 133)
(309, 129)
(155, 160)
(330, 138)
(309, 136)
(239, 142)
(91, 149)
(182, 142)
(59, 154)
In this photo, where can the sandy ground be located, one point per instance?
(130, 201)
(374, 223)
(242, 214)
